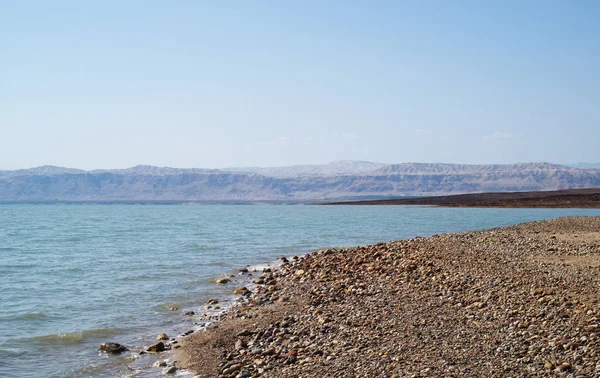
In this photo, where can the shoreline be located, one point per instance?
(557, 199)
(204, 316)
(496, 302)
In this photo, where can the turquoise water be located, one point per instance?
(74, 276)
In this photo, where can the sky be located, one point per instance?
(212, 84)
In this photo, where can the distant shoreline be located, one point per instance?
(162, 202)
(569, 198)
(191, 202)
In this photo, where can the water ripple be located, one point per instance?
(69, 338)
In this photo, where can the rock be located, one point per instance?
(240, 344)
(231, 369)
(190, 313)
(162, 336)
(112, 348)
(213, 301)
(222, 281)
(563, 367)
(242, 291)
(292, 352)
(160, 364)
(269, 352)
(173, 308)
(158, 347)
(171, 370)
(244, 332)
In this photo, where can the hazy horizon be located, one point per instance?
(113, 85)
(582, 165)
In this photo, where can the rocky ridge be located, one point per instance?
(344, 180)
(510, 302)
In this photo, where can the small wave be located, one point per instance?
(69, 338)
(69, 269)
(9, 353)
(26, 316)
(142, 277)
(18, 266)
(216, 263)
(7, 249)
(164, 307)
(75, 238)
(203, 247)
(259, 267)
(33, 316)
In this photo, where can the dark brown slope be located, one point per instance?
(570, 198)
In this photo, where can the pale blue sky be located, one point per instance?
(112, 84)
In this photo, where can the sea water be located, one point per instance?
(74, 276)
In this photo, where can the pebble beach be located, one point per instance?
(507, 302)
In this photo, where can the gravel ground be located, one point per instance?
(520, 301)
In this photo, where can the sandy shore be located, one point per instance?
(520, 301)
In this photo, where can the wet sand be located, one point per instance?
(508, 302)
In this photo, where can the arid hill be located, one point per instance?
(335, 181)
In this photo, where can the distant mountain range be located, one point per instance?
(334, 181)
(336, 168)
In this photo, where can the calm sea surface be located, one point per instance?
(74, 276)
